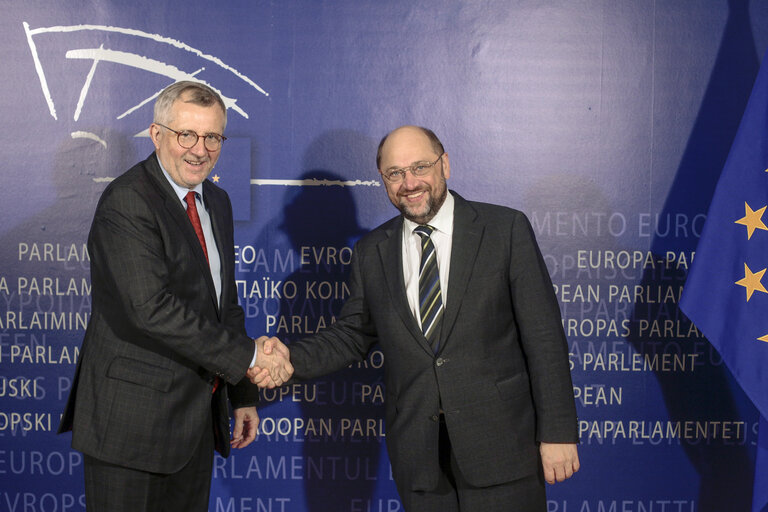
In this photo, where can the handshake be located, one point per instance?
(273, 363)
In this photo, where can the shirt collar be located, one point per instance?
(181, 192)
(442, 221)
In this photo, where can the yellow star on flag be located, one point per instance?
(763, 338)
(216, 179)
(752, 282)
(752, 220)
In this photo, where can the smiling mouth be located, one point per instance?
(414, 195)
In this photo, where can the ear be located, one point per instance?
(154, 134)
(446, 166)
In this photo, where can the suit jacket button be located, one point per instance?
(434, 418)
(440, 361)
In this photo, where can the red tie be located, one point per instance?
(194, 218)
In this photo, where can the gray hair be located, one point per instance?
(199, 94)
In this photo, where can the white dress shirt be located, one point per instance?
(214, 262)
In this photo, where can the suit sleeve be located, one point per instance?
(244, 393)
(347, 340)
(542, 337)
(152, 291)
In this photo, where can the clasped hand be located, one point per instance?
(273, 364)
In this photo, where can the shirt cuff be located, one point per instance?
(255, 353)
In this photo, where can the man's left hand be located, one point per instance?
(560, 461)
(246, 423)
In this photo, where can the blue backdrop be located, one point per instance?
(607, 122)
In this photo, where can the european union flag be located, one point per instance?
(725, 294)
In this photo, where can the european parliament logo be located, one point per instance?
(100, 56)
(128, 68)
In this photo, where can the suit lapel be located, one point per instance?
(220, 233)
(466, 239)
(177, 212)
(391, 250)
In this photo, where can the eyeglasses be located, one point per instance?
(420, 169)
(187, 139)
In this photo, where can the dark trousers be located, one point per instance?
(112, 488)
(455, 494)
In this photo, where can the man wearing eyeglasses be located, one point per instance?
(479, 401)
(166, 345)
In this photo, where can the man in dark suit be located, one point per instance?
(166, 344)
(479, 400)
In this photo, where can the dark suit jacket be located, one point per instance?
(502, 374)
(141, 396)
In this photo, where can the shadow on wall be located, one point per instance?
(50, 245)
(322, 223)
(327, 217)
(338, 469)
(60, 229)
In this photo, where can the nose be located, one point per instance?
(409, 180)
(199, 148)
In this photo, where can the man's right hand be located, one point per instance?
(273, 366)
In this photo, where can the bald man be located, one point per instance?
(479, 400)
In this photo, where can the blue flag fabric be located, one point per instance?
(726, 292)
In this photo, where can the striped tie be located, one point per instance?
(430, 297)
